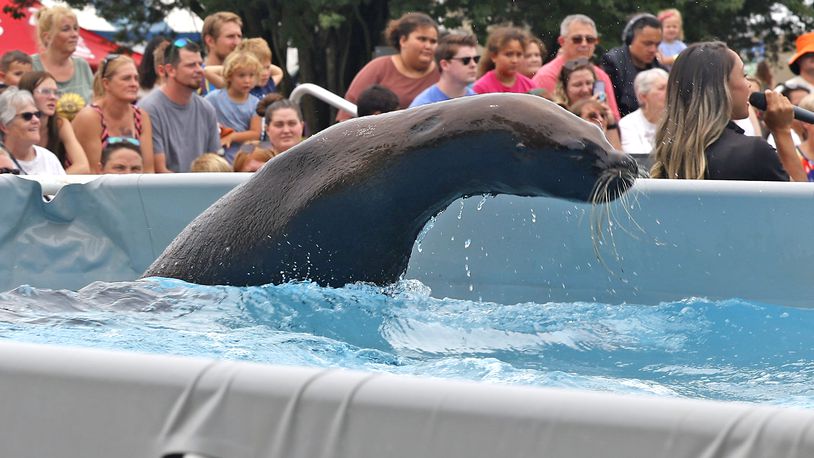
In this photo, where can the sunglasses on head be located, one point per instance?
(466, 60)
(108, 59)
(576, 63)
(8, 170)
(577, 39)
(29, 115)
(181, 42)
(115, 140)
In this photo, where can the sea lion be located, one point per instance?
(347, 204)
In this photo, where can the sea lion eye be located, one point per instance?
(521, 151)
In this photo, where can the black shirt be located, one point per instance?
(734, 156)
(618, 64)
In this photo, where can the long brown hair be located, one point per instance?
(29, 82)
(699, 106)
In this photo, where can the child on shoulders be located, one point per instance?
(270, 74)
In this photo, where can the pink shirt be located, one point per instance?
(489, 83)
(548, 75)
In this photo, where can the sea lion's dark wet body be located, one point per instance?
(347, 204)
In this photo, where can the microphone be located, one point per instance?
(758, 100)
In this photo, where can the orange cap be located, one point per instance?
(805, 45)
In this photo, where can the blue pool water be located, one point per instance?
(729, 350)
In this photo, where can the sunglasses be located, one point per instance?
(8, 170)
(181, 42)
(108, 59)
(29, 115)
(577, 39)
(115, 140)
(466, 60)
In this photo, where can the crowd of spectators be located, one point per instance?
(185, 109)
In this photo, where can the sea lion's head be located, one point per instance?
(518, 144)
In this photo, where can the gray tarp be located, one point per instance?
(61, 402)
(110, 229)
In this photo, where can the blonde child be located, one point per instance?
(672, 34)
(234, 104)
(270, 74)
(501, 68)
(210, 162)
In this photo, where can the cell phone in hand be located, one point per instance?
(599, 91)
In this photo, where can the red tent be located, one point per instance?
(21, 34)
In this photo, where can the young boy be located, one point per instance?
(234, 104)
(270, 75)
(13, 65)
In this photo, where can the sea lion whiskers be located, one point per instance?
(603, 217)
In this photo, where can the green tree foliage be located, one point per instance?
(335, 38)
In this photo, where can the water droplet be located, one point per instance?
(482, 201)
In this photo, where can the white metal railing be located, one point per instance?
(322, 94)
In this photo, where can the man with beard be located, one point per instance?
(184, 125)
(221, 33)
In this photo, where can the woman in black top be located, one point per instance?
(697, 139)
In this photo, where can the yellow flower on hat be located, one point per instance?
(69, 105)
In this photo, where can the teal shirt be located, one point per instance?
(81, 83)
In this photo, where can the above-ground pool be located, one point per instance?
(693, 348)
(680, 290)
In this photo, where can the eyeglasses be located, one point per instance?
(466, 60)
(590, 39)
(28, 115)
(115, 140)
(108, 59)
(49, 92)
(8, 170)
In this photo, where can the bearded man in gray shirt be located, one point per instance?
(184, 125)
